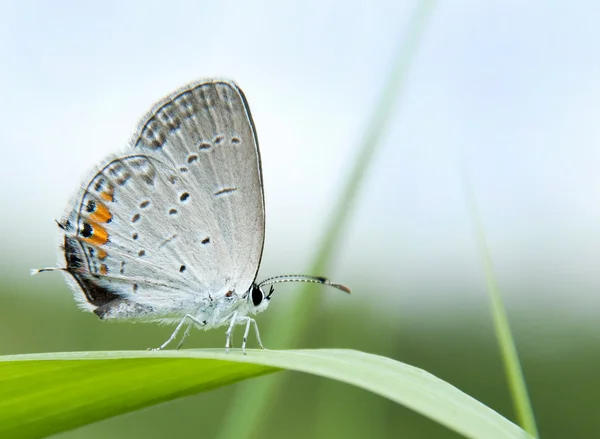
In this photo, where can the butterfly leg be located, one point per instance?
(258, 335)
(174, 334)
(249, 322)
(185, 334)
(230, 331)
(245, 339)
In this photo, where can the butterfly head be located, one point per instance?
(258, 299)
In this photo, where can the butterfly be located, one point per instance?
(172, 228)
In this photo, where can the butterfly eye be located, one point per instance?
(257, 295)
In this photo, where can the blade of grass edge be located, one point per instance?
(48, 393)
(506, 343)
(248, 408)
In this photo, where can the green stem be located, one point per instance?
(506, 343)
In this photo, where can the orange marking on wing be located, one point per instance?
(103, 269)
(101, 254)
(108, 195)
(99, 235)
(101, 214)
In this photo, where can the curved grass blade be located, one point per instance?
(43, 394)
(506, 342)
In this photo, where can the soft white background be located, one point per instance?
(514, 85)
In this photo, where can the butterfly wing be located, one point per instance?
(178, 218)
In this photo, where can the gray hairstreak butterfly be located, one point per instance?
(172, 229)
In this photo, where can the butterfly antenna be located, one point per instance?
(35, 271)
(61, 225)
(301, 278)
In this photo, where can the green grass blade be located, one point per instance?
(43, 394)
(375, 131)
(244, 418)
(508, 350)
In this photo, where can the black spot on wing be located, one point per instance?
(225, 191)
(90, 206)
(87, 230)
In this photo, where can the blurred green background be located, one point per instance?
(511, 88)
(559, 358)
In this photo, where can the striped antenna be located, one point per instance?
(35, 271)
(302, 278)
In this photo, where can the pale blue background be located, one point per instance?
(513, 84)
